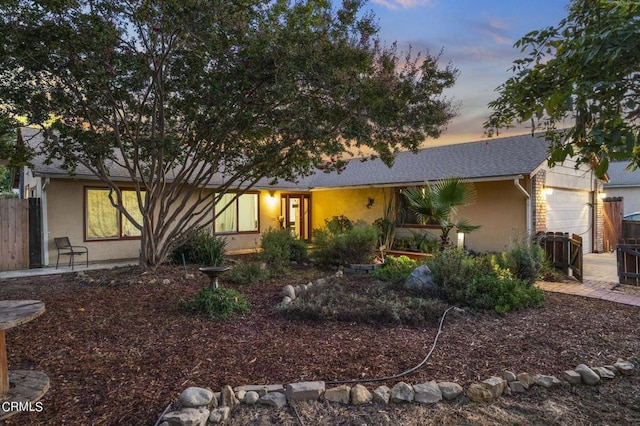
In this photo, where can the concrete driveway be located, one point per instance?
(601, 267)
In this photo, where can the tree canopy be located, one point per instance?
(579, 83)
(175, 92)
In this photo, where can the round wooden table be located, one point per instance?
(21, 387)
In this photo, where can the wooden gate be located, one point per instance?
(612, 215)
(628, 255)
(14, 234)
(564, 252)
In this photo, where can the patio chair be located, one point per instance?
(66, 249)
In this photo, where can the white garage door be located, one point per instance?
(569, 211)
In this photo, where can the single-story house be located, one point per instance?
(624, 184)
(517, 195)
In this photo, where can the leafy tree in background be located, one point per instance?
(582, 73)
(175, 92)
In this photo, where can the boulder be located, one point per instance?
(526, 379)
(304, 391)
(274, 399)
(261, 389)
(450, 390)
(219, 415)
(517, 387)
(338, 394)
(479, 393)
(588, 376)
(196, 397)
(228, 397)
(509, 376)
(624, 367)
(251, 397)
(360, 395)
(420, 278)
(187, 417)
(572, 377)
(289, 291)
(546, 381)
(402, 392)
(604, 372)
(382, 394)
(427, 393)
(495, 385)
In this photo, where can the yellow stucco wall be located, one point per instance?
(351, 203)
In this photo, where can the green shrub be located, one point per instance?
(355, 245)
(395, 269)
(279, 248)
(480, 283)
(525, 260)
(377, 303)
(338, 224)
(247, 273)
(218, 304)
(202, 249)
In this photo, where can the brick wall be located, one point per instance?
(539, 205)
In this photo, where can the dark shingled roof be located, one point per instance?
(487, 159)
(618, 176)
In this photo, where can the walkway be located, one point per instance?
(600, 277)
(4, 275)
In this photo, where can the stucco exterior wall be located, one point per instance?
(351, 203)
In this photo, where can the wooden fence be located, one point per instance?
(14, 234)
(628, 257)
(564, 252)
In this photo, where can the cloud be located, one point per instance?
(405, 4)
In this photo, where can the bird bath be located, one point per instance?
(213, 272)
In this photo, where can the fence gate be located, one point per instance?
(14, 234)
(35, 233)
(628, 256)
(564, 252)
(612, 214)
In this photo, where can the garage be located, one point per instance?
(570, 211)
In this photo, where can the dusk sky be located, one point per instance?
(476, 36)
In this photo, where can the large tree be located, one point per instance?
(579, 82)
(176, 92)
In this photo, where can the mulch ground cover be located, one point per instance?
(118, 348)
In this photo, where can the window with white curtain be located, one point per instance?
(105, 222)
(237, 215)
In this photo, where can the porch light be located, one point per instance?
(602, 195)
(460, 240)
(547, 191)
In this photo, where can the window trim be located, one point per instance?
(121, 217)
(236, 201)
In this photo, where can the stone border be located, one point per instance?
(201, 406)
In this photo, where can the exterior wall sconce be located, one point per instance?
(370, 203)
(547, 191)
(602, 195)
(272, 193)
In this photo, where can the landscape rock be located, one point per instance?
(526, 379)
(517, 387)
(546, 381)
(402, 392)
(427, 393)
(286, 300)
(420, 278)
(251, 397)
(166, 281)
(187, 417)
(289, 291)
(495, 385)
(304, 391)
(588, 376)
(240, 395)
(261, 389)
(196, 397)
(509, 376)
(479, 393)
(219, 415)
(613, 369)
(360, 395)
(338, 394)
(450, 390)
(624, 367)
(382, 394)
(274, 399)
(604, 373)
(572, 377)
(228, 397)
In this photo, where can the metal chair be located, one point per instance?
(66, 249)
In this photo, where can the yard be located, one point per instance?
(118, 350)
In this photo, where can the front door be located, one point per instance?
(295, 209)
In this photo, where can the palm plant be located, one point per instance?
(438, 203)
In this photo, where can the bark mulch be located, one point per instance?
(119, 349)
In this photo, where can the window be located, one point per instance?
(239, 215)
(103, 221)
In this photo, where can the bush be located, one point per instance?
(218, 304)
(246, 273)
(202, 249)
(479, 283)
(279, 248)
(525, 260)
(377, 303)
(355, 245)
(395, 269)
